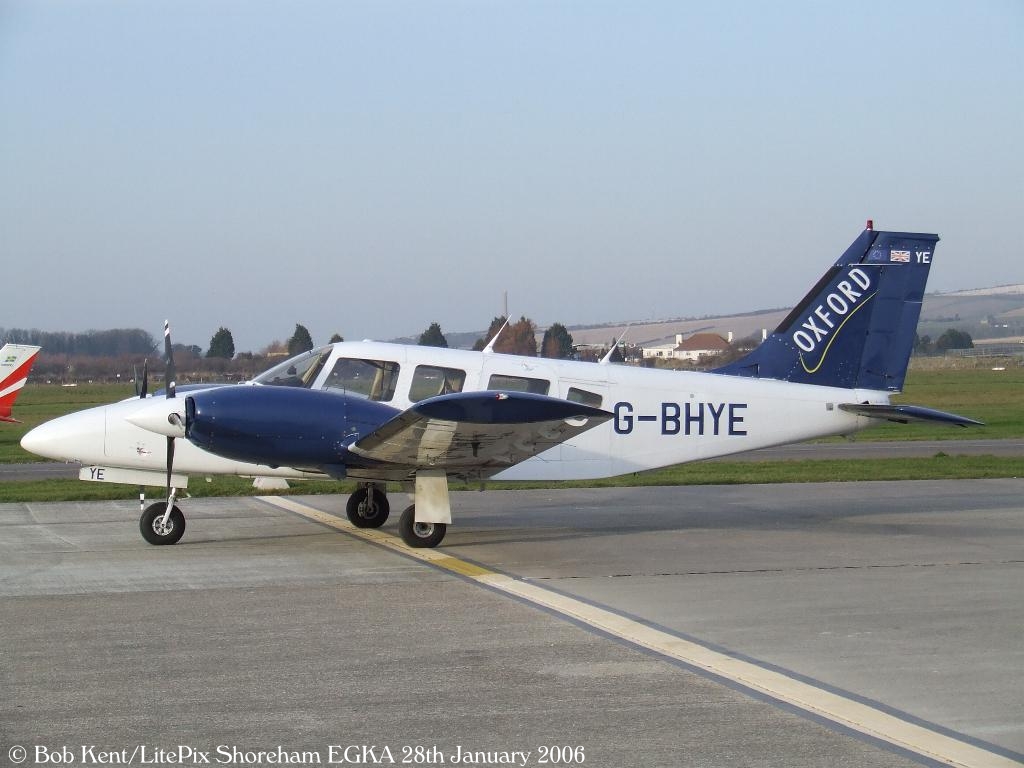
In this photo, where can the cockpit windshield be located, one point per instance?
(298, 371)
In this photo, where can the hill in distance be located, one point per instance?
(986, 313)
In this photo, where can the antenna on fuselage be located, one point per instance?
(490, 344)
(607, 359)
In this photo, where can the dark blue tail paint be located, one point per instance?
(855, 329)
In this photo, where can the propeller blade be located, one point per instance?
(144, 392)
(169, 360)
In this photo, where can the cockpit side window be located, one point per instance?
(430, 381)
(577, 395)
(519, 384)
(372, 379)
(298, 371)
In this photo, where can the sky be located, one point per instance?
(367, 168)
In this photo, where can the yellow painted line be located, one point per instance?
(832, 706)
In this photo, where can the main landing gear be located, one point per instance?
(418, 535)
(368, 507)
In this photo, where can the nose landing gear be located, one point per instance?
(156, 529)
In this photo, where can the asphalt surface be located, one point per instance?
(265, 631)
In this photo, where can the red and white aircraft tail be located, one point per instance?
(16, 361)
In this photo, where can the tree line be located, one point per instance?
(519, 338)
(111, 343)
(951, 338)
(119, 354)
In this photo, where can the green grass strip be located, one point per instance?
(938, 467)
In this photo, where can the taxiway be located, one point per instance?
(649, 626)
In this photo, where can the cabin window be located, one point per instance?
(372, 379)
(519, 384)
(430, 381)
(583, 396)
(298, 371)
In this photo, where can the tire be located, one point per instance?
(149, 524)
(366, 510)
(419, 535)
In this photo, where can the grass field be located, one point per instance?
(995, 397)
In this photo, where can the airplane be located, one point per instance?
(16, 360)
(378, 412)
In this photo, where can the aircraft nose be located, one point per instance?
(75, 437)
(41, 440)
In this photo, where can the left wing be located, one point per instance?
(477, 431)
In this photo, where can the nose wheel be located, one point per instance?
(156, 530)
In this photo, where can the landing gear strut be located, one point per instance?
(156, 530)
(368, 507)
(419, 535)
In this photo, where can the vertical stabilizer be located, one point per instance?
(16, 361)
(855, 328)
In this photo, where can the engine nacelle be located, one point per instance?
(280, 426)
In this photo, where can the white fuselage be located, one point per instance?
(661, 418)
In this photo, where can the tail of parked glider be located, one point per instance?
(855, 329)
(16, 361)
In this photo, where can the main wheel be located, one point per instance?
(155, 531)
(419, 534)
(366, 509)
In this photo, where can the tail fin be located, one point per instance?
(16, 361)
(855, 329)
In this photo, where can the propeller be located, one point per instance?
(173, 418)
(169, 360)
(164, 420)
(143, 392)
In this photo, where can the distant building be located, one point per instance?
(696, 347)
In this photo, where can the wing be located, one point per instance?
(476, 431)
(907, 413)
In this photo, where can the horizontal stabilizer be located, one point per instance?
(907, 413)
(477, 430)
